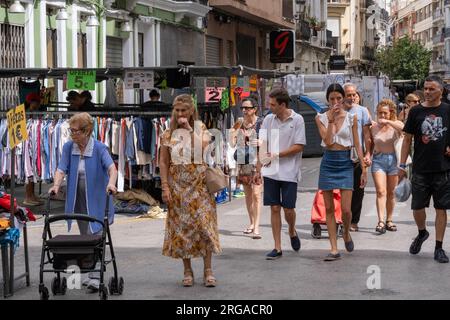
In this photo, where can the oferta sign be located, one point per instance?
(81, 79)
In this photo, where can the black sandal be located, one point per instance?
(381, 227)
(391, 226)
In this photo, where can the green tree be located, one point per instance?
(406, 59)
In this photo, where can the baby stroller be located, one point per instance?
(84, 251)
(318, 214)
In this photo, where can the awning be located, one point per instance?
(107, 73)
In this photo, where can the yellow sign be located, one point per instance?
(17, 126)
(253, 83)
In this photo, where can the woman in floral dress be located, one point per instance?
(191, 225)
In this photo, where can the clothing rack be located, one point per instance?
(104, 74)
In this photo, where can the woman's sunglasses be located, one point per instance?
(247, 108)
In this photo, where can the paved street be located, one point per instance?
(242, 271)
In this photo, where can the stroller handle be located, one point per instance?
(81, 217)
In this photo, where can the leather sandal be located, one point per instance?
(381, 227)
(390, 226)
(209, 280)
(188, 280)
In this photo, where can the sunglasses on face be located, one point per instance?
(247, 108)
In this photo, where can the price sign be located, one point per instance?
(139, 80)
(17, 126)
(213, 94)
(81, 80)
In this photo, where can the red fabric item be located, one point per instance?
(5, 202)
(30, 215)
(318, 212)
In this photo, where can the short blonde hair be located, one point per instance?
(85, 122)
(187, 101)
(392, 108)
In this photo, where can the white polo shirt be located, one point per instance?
(279, 137)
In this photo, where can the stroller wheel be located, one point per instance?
(44, 293)
(316, 232)
(112, 285)
(103, 293)
(121, 284)
(55, 286)
(63, 287)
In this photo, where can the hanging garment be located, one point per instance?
(25, 88)
(110, 95)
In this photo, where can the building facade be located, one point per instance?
(237, 31)
(358, 28)
(314, 40)
(131, 33)
(427, 21)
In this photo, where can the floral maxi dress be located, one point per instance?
(191, 225)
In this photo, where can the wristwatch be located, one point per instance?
(402, 165)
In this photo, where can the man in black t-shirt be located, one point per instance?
(429, 125)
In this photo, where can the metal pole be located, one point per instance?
(11, 218)
(27, 263)
(5, 268)
(229, 126)
(13, 184)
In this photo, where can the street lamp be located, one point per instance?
(16, 7)
(376, 40)
(92, 22)
(62, 14)
(126, 27)
(301, 4)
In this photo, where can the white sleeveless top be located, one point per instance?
(344, 136)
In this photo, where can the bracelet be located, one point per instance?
(402, 165)
(330, 121)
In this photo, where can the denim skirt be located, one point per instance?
(336, 170)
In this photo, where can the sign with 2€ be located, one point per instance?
(17, 126)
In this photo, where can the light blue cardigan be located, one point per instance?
(97, 163)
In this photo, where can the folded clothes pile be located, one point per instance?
(154, 213)
(134, 201)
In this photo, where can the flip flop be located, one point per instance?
(248, 231)
(332, 257)
(256, 235)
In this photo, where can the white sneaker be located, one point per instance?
(93, 285)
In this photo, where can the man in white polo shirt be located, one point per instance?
(283, 139)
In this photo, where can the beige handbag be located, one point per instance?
(216, 180)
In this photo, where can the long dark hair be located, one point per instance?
(335, 87)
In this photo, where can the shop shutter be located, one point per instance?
(213, 51)
(114, 52)
(114, 59)
(12, 55)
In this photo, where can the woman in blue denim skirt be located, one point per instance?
(385, 133)
(339, 132)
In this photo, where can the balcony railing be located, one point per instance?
(339, 1)
(439, 38)
(368, 53)
(303, 31)
(438, 15)
(438, 66)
